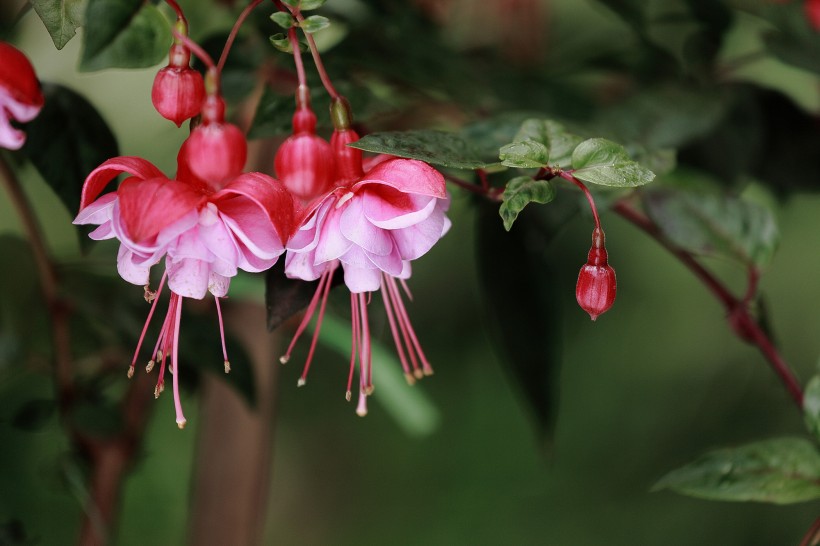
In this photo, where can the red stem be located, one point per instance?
(813, 534)
(178, 10)
(314, 51)
(567, 176)
(232, 36)
(487, 191)
(197, 50)
(297, 57)
(743, 323)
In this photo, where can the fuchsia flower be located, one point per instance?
(178, 90)
(206, 231)
(596, 287)
(20, 96)
(372, 224)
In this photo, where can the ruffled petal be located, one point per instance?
(407, 176)
(188, 277)
(96, 181)
(98, 212)
(300, 265)
(388, 208)
(415, 241)
(267, 193)
(133, 267)
(149, 206)
(218, 285)
(362, 279)
(357, 228)
(332, 244)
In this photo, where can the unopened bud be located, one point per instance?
(216, 150)
(178, 90)
(596, 286)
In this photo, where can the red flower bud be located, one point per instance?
(596, 286)
(216, 150)
(348, 160)
(812, 9)
(304, 161)
(178, 90)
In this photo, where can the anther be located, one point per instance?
(149, 366)
(227, 367)
(284, 359)
(130, 371)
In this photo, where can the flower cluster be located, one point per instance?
(20, 96)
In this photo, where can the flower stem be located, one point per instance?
(197, 50)
(483, 190)
(178, 11)
(743, 324)
(568, 177)
(232, 36)
(297, 57)
(812, 537)
(314, 51)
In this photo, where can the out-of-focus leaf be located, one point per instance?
(314, 23)
(283, 19)
(64, 157)
(711, 223)
(603, 162)
(238, 77)
(523, 308)
(436, 147)
(273, 115)
(104, 21)
(791, 37)
(142, 43)
(811, 406)
(285, 297)
(13, 533)
(520, 192)
(779, 471)
(62, 18)
(34, 414)
(558, 143)
(409, 406)
(307, 5)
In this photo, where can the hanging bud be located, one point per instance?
(304, 161)
(178, 89)
(20, 96)
(596, 286)
(348, 160)
(812, 10)
(216, 150)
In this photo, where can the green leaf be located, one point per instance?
(273, 115)
(104, 21)
(811, 406)
(64, 157)
(285, 297)
(526, 154)
(281, 42)
(34, 414)
(558, 142)
(436, 147)
(314, 23)
(62, 18)
(519, 193)
(712, 223)
(779, 471)
(603, 162)
(142, 43)
(307, 5)
(283, 19)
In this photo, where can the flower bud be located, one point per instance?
(216, 150)
(812, 10)
(178, 90)
(20, 96)
(596, 286)
(304, 161)
(348, 160)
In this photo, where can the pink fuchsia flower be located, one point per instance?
(372, 227)
(20, 96)
(204, 235)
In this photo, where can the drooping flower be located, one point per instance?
(596, 287)
(21, 98)
(206, 233)
(372, 224)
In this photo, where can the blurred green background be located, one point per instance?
(652, 384)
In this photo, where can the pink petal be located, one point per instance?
(132, 267)
(301, 266)
(332, 244)
(415, 241)
(389, 263)
(102, 175)
(188, 277)
(407, 176)
(258, 243)
(10, 138)
(267, 194)
(362, 279)
(218, 285)
(307, 236)
(97, 212)
(357, 228)
(390, 209)
(149, 206)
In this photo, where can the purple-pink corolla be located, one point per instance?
(206, 230)
(372, 224)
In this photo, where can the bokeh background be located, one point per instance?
(462, 459)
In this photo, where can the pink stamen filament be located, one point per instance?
(354, 321)
(232, 36)
(175, 360)
(404, 318)
(388, 307)
(402, 327)
(324, 288)
(305, 320)
(222, 334)
(148, 320)
(365, 374)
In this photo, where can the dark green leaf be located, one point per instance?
(522, 303)
(104, 21)
(811, 406)
(436, 147)
(526, 154)
(143, 43)
(603, 162)
(779, 471)
(62, 18)
(283, 19)
(519, 193)
(273, 115)
(21, 332)
(292, 3)
(711, 223)
(558, 142)
(64, 157)
(285, 297)
(314, 23)
(281, 42)
(34, 414)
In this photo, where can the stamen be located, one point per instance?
(324, 286)
(148, 320)
(361, 409)
(305, 320)
(406, 289)
(175, 360)
(157, 390)
(393, 330)
(366, 361)
(149, 366)
(148, 294)
(130, 371)
(354, 317)
(400, 309)
(222, 335)
(394, 302)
